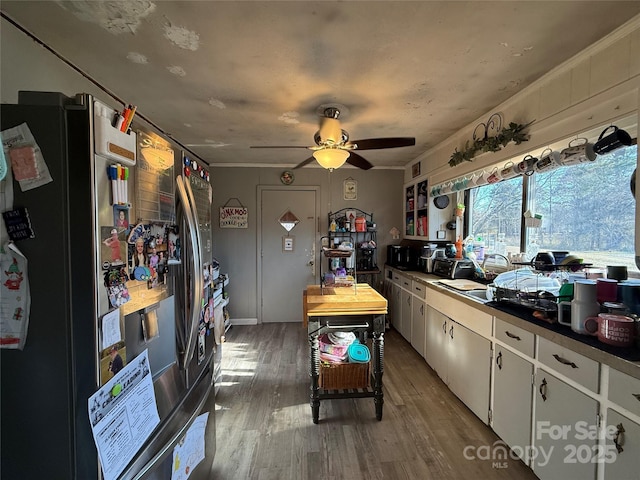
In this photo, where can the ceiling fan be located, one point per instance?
(332, 146)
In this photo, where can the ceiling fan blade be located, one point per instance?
(305, 162)
(276, 146)
(389, 142)
(357, 161)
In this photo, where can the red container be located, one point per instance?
(361, 224)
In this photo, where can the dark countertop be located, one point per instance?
(626, 360)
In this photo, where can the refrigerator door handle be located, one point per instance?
(198, 273)
(192, 280)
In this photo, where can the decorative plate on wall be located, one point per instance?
(287, 177)
(441, 202)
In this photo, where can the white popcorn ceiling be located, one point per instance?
(221, 76)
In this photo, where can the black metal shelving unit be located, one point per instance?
(364, 241)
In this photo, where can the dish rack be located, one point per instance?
(538, 300)
(529, 289)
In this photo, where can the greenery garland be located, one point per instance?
(513, 133)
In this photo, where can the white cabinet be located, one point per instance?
(469, 368)
(405, 320)
(621, 454)
(562, 415)
(512, 399)
(396, 306)
(418, 326)
(388, 293)
(624, 390)
(436, 342)
(461, 358)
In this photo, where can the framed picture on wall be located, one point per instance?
(415, 170)
(350, 189)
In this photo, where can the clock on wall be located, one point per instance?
(287, 177)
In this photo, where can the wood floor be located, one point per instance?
(265, 430)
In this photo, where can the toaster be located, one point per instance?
(453, 268)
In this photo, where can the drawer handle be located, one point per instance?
(543, 389)
(618, 440)
(564, 361)
(511, 335)
(499, 360)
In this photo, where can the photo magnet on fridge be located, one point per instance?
(113, 250)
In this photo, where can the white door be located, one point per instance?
(287, 259)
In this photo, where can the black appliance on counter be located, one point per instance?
(453, 268)
(403, 257)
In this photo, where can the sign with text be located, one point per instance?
(233, 217)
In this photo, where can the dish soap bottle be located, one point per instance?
(459, 248)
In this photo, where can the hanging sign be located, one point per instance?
(233, 216)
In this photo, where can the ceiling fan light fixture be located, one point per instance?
(331, 158)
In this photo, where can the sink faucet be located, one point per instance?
(493, 255)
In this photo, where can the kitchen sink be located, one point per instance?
(479, 295)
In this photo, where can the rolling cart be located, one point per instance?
(341, 309)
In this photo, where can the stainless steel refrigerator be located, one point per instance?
(44, 388)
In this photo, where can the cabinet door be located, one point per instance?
(405, 322)
(469, 368)
(388, 290)
(418, 327)
(623, 444)
(436, 355)
(512, 399)
(562, 414)
(397, 307)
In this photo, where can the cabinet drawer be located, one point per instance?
(419, 289)
(624, 390)
(571, 364)
(515, 337)
(397, 278)
(405, 283)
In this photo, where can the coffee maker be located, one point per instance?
(366, 260)
(397, 256)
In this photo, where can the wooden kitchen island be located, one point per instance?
(360, 310)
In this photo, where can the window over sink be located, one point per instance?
(587, 209)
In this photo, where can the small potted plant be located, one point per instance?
(460, 210)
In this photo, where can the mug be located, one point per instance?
(480, 179)
(617, 272)
(616, 139)
(494, 177)
(629, 294)
(548, 162)
(507, 171)
(526, 165)
(583, 306)
(575, 154)
(447, 188)
(616, 330)
(607, 290)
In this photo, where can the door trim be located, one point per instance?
(262, 188)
